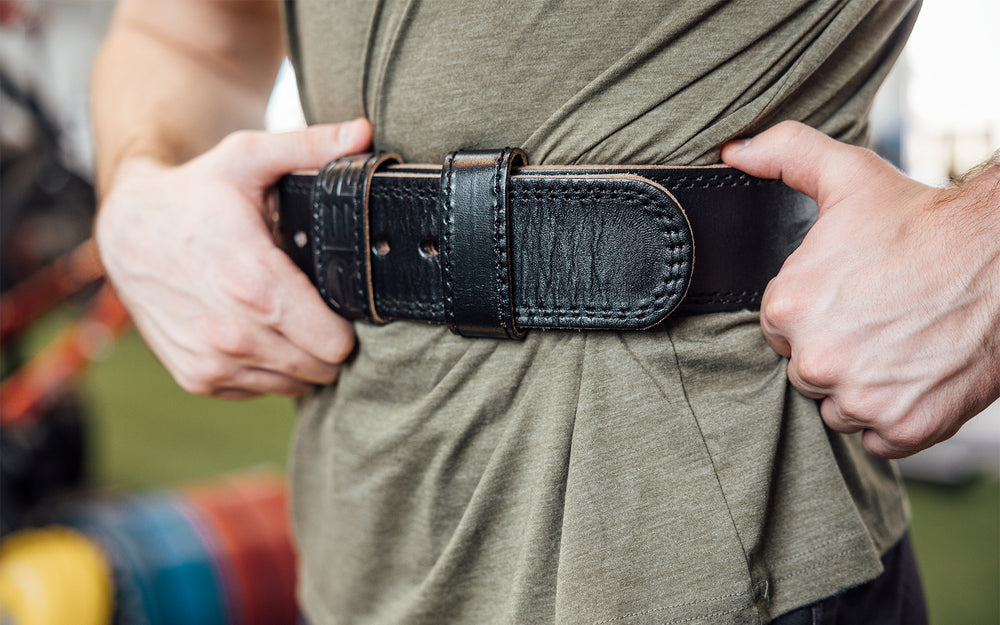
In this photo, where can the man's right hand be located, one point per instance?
(190, 253)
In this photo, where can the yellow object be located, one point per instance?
(54, 576)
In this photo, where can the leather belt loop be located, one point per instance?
(340, 231)
(476, 243)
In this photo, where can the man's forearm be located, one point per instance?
(175, 76)
(224, 309)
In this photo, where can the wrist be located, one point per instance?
(137, 153)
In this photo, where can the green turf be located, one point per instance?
(956, 535)
(151, 433)
(148, 433)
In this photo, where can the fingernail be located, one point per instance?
(739, 144)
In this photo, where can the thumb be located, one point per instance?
(805, 159)
(259, 158)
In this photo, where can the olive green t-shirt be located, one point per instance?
(666, 476)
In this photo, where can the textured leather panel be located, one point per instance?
(591, 247)
(609, 252)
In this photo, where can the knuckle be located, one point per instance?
(193, 384)
(249, 290)
(862, 163)
(839, 424)
(865, 159)
(212, 373)
(858, 407)
(780, 307)
(815, 368)
(233, 341)
(275, 258)
(338, 347)
(904, 437)
(226, 338)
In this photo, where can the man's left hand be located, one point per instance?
(889, 311)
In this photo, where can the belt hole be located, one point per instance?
(380, 247)
(429, 248)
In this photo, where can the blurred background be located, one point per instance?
(94, 429)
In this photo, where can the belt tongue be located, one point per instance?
(602, 251)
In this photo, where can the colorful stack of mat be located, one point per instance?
(218, 554)
(54, 575)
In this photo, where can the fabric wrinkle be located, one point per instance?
(659, 477)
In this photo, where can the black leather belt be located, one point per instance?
(493, 247)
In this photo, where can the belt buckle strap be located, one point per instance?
(340, 234)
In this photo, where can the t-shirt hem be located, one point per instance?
(836, 566)
(793, 582)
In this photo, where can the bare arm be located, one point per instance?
(175, 76)
(183, 228)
